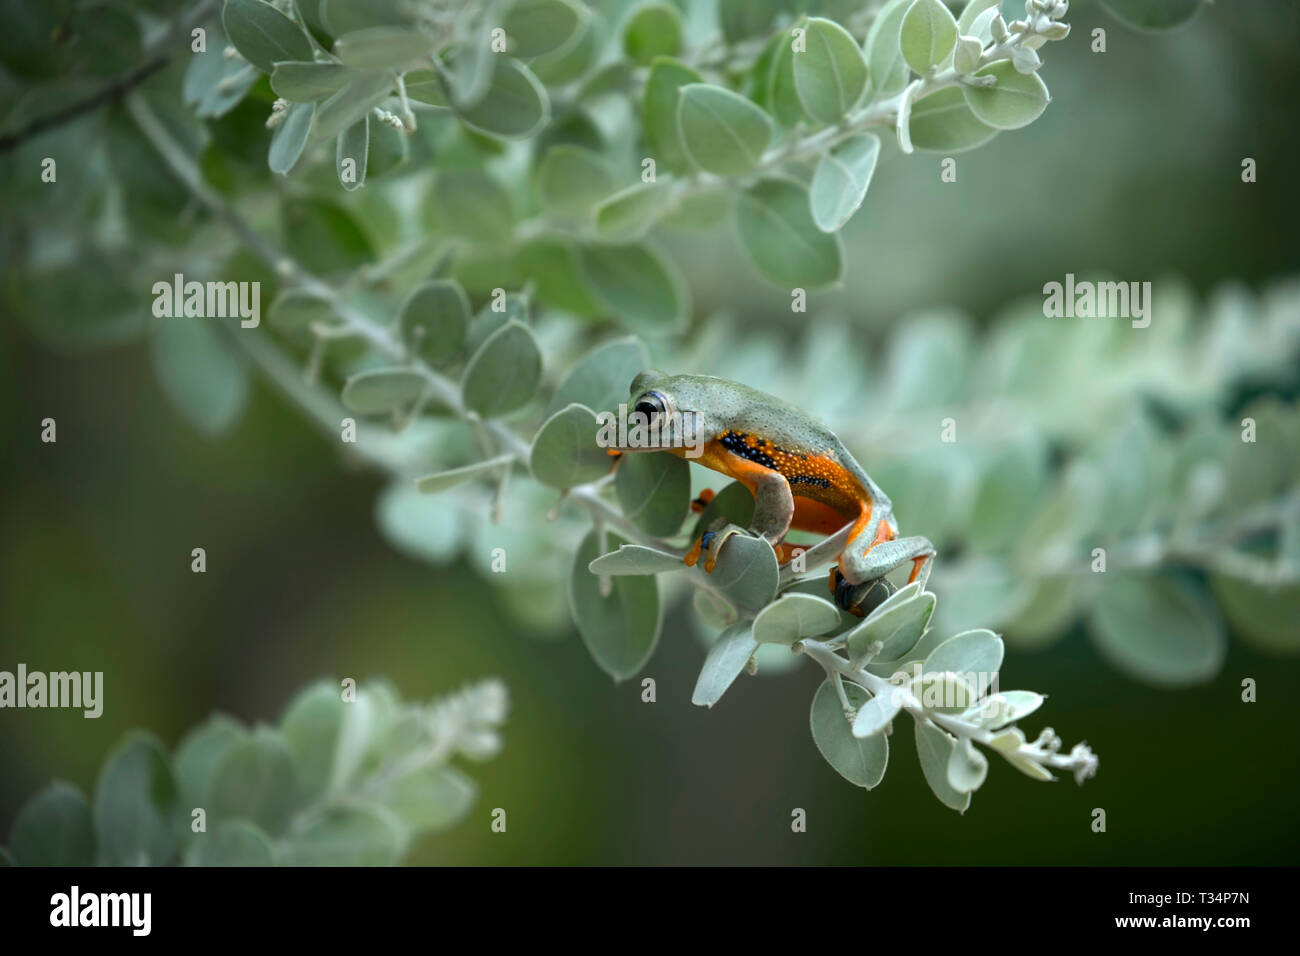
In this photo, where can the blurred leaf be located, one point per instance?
(234, 843)
(928, 35)
(654, 29)
(721, 131)
(776, 229)
(859, 760)
(654, 490)
(571, 180)
(293, 312)
(637, 285)
(470, 203)
(503, 374)
(1017, 100)
(794, 617)
(515, 105)
(310, 729)
(659, 112)
(1265, 615)
(54, 828)
(726, 659)
(290, 137)
(347, 836)
(262, 34)
(830, 76)
(255, 780)
(780, 89)
(434, 319)
(417, 525)
(322, 236)
(630, 213)
(841, 179)
(1153, 14)
(538, 27)
(308, 81)
(198, 754)
(354, 145)
(204, 381)
(135, 805)
(431, 798)
(620, 629)
(383, 47)
(565, 453)
(602, 377)
(935, 747)
(889, 71)
(1158, 629)
(345, 16)
(741, 19)
(551, 264)
(575, 57)
(382, 390)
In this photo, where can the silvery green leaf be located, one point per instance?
(515, 105)
(620, 628)
(942, 122)
(354, 145)
(417, 525)
(565, 453)
(433, 320)
(1158, 628)
(976, 652)
(636, 559)
(262, 34)
(780, 93)
(430, 798)
(659, 112)
(308, 81)
(998, 710)
(841, 180)
(776, 228)
(830, 74)
(972, 11)
(934, 747)
(382, 390)
(721, 131)
(364, 91)
(967, 768)
(447, 479)
(928, 35)
(967, 55)
(290, 137)
(726, 659)
(746, 572)
(471, 203)
(944, 692)
(1025, 60)
(504, 372)
(383, 47)
(897, 624)
(889, 72)
(1015, 101)
(875, 714)
(654, 490)
(793, 618)
(859, 760)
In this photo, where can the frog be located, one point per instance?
(800, 473)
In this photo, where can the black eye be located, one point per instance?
(650, 405)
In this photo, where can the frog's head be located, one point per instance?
(666, 412)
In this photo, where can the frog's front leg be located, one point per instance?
(773, 512)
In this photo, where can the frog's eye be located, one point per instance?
(651, 404)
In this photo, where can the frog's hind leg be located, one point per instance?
(872, 553)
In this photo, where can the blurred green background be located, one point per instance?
(1134, 170)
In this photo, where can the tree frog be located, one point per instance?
(799, 472)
